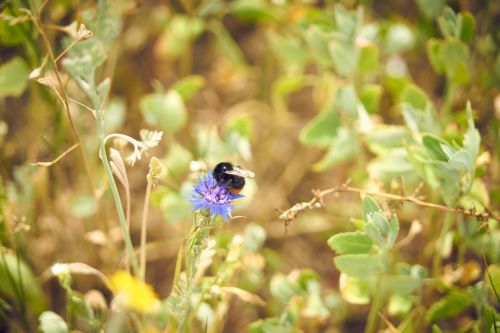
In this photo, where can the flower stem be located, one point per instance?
(372, 324)
(144, 223)
(114, 191)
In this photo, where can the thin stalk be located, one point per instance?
(144, 223)
(436, 262)
(76, 135)
(373, 316)
(114, 190)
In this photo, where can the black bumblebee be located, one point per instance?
(232, 176)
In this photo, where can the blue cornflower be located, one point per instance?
(211, 196)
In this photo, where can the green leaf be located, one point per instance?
(385, 138)
(434, 145)
(253, 11)
(317, 42)
(370, 97)
(173, 206)
(354, 290)
(13, 77)
(226, 45)
(241, 124)
(288, 50)
(472, 138)
(368, 58)
(359, 265)
(391, 165)
(377, 227)
(420, 121)
(350, 242)
(179, 34)
(344, 147)
(177, 160)
(114, 114)
(468, 27)
(455, 55)
(322, 130)
(448, 23)
(346, 101)
(461, 161)
(189, 85)
(399, 306)
(402, 285)
(436, 329)
(282, 288)
(18, 282)
(399, 38)
(13, 30)
(430, 8)
(166, 111)
(370, 206)
(83, 206)
(254, 237)
(448, 306)
(51, 322)
(393, 231)
(345, 57)
(435, 55)
(415, 96)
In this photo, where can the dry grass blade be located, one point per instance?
(58, 158)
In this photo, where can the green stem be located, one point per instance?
(372, 323)
(143, 231)
(436, 262)
(114, 191)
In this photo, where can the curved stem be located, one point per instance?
(114, 191)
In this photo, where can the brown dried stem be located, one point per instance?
(287, 216)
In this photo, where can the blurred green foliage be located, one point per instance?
(401, 99)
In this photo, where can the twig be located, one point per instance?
(58, 158)
(287, 216)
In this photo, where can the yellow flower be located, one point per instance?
(133, 294)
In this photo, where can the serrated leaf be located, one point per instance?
(350, 242)
(359, 265)
(448, 306)
(321, 131)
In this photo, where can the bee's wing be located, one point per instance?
(237, 171)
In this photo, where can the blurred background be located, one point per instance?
(307, 94)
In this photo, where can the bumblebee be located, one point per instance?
(232, 176)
